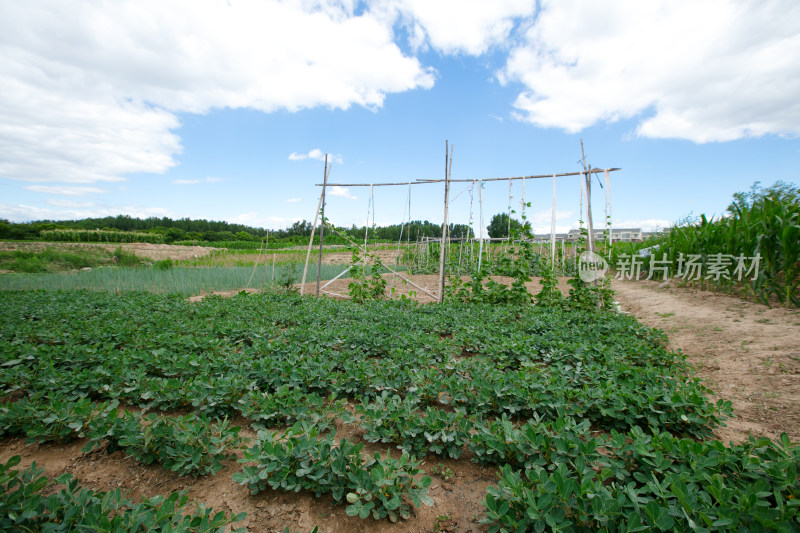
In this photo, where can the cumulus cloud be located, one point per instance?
(76, 211)
(90, 90)
(462, 26)
(317, 154)
(709, 70)
(65, 191)
(540, 220)
(342, 192)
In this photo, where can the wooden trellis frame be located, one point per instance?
(585, 175)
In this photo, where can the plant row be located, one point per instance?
(252, 354)
(82, 235)
(188, 445)
(640, 482)
(70, 507)
(305, 459)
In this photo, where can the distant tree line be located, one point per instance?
(409, 231)
(186, 229)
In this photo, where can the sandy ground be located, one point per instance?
(747, 353)
(155, 252)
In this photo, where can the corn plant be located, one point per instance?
(764, 222)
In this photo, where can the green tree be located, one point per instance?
(175, 234)
(498, 226)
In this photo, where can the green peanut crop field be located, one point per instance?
(578, 420)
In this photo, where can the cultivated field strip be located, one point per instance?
(593, 422)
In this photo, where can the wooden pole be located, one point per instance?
(442, 249)
(510, 183)
(588, 177)
(322, 225)
(553, 228)
(482, 227)
(310, 244)
(425, 181)
(266, 247)
(609, 226)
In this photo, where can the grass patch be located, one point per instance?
(52, 259)
(163, 278)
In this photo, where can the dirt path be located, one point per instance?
(748, 353)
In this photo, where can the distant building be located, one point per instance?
(617, 234)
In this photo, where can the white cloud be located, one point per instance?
(462, 26)
(342, 192)
(709, 70)
(293, 200)
(540, 220)
(27, 213)
(90, 90)
(195, 182)
(317, 154)
(65, 191)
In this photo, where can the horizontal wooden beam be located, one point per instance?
(592, 171)
(424, 181)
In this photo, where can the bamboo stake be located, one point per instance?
(588, 177)
(255, 267)
(447, 170)
(553, 228)
(322, 226)
(266, 247)
(482, 228)
(609, 225)
(510, 183)
(310, 244)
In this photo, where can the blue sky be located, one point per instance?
(222, 110)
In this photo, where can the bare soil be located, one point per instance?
(746, 352)
(458, 495)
